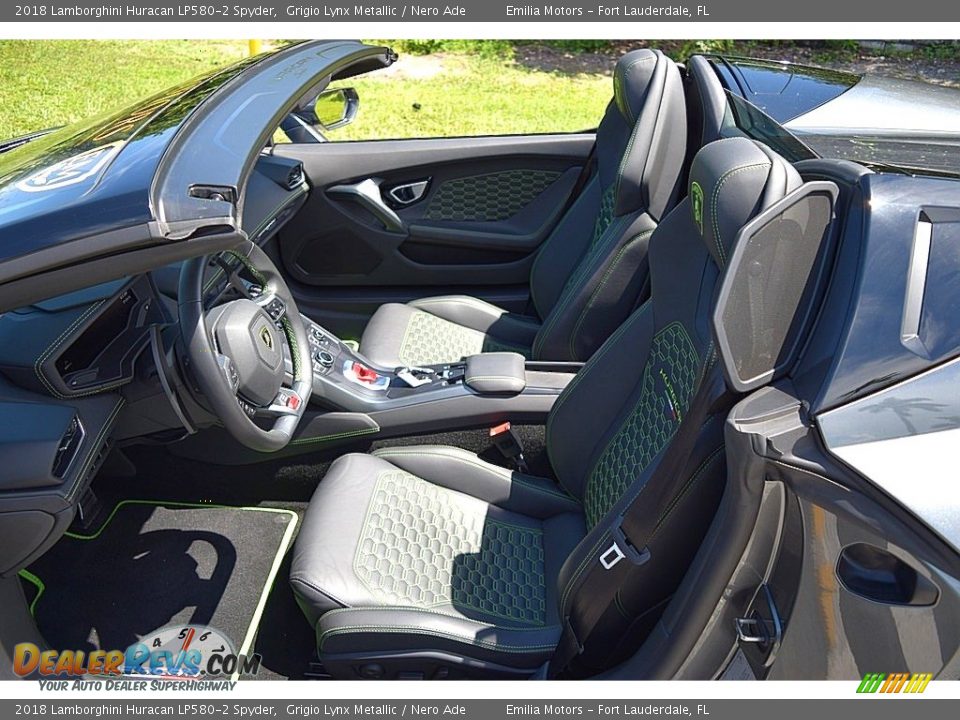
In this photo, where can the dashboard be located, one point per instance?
(85, 369)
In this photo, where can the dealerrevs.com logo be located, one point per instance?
(894, 683)
(172, 654)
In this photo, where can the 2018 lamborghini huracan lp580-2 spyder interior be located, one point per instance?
(661, 399)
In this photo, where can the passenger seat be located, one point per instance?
(591, 272)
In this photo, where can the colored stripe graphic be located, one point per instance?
(894, 683)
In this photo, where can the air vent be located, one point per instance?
(285, 172)
(295, 178)
(68, 447)
(96, 462)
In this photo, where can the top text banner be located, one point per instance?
(483, 11)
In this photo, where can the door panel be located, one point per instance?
(390, 221)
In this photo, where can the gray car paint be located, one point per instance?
(887, 120)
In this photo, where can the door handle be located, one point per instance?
(367, 194)
(408, 193)
(877, 574)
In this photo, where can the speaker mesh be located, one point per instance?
(771, 281)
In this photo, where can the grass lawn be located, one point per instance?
(45, 83)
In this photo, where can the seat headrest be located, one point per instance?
(731, 182)
(631, 80)
(648, 97)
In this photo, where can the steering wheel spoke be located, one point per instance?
(272, 305)
(287, 402)
(229, 371)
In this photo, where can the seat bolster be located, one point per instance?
(328, 535)
(479, 315)
(465, 472)
(380, 631)
(383, 336)
(605, 289)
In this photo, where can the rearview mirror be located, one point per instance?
(332, 108)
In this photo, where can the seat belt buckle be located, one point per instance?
(621, 548)
(506, 440)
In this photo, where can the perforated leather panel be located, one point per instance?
(427, 546)
(430, 339)
(667, 387)
(490, 197)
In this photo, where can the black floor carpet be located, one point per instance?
(154, 565)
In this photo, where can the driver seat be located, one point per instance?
(429, 562)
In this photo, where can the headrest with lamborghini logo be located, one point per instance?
(731, 182)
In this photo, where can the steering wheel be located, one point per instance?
(236, 350)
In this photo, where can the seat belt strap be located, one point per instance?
(582, 179)
(597, 588)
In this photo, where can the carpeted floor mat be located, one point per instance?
(154, 565)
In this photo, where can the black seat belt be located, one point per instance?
(596, 589)
(582, 179)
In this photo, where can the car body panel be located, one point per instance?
(872, 119)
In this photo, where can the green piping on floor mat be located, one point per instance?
(285, 541)
(37, 583)
(163, 503)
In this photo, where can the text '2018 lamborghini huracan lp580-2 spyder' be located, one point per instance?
(675, 397)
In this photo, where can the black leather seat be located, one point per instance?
(430, 560)
(591, 272)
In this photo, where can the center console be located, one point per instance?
(352, 396)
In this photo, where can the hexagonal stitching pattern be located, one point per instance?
(605, 214)
(431, 339)
(489, 197)
(426, 546)
(667, 387)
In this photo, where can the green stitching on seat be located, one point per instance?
(594, 359)
(599, 289)
(542, 252)
(716, 198)
(667, 385)
(400, 629)
(505, 475)
(425, 545)
(570, 288)
(430, 339)
(691, 481)
(335, 436)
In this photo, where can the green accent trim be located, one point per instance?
(554, 234)
(715, 199)
(438, 530)
(691, 481)
(164, 503)
(581, 271)
(646, 429)
(42, 357)
(293, 519)
(696, 204)
(400, 630)
(594, 359)
(37, 583)
(335, 436)
(599, 289)
(506, 475)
